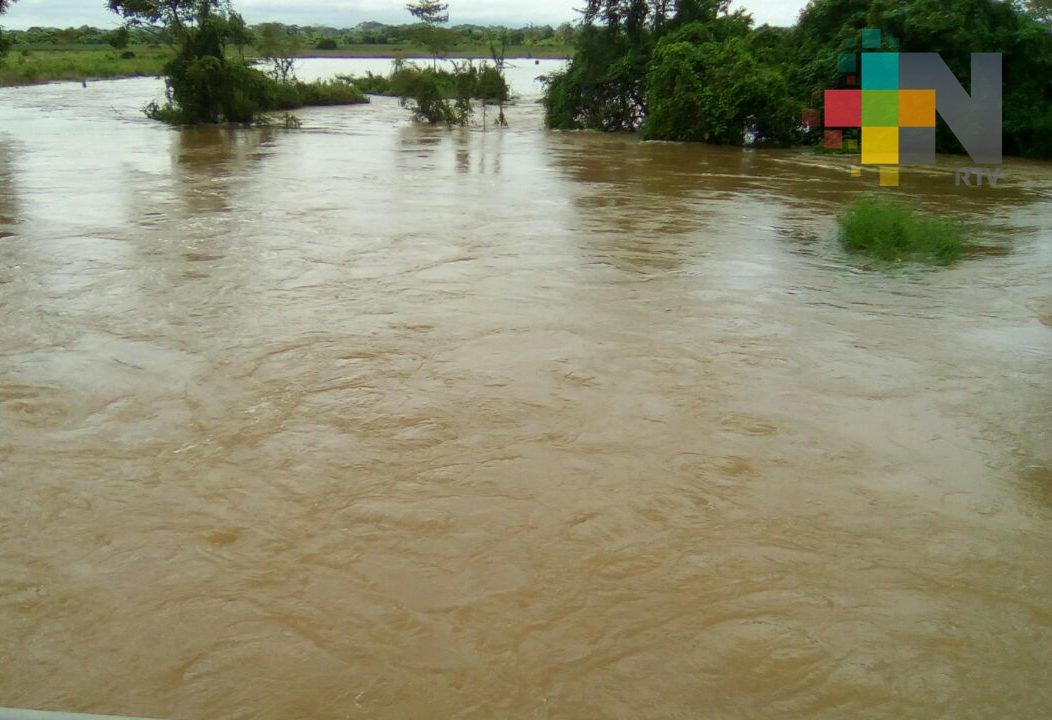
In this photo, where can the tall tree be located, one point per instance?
(431, 14)
(204, 84)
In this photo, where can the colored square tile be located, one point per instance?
(847, 63)
(843, 108)
(851, 144)
(889, 177)
(880, 71)
(880, 107)
(880, 146)
(871, 39)
(856, 171)
(834, 139)
(852, 80)
(893, 42)
(916, 146)
(917, 108)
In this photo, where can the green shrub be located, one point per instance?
(327, 92)
(432, 95)
(326, 44)
(714, 92)
(370, 84)
(438, 96)
(893, 231)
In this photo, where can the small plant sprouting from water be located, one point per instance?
(893, 231)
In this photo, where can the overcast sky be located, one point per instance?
(346, 13)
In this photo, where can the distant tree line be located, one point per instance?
(309, 36)
(693, 70)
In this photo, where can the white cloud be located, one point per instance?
(343, 13)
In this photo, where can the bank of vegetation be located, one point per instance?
(28, 67)
(694, 70)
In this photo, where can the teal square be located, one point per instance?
(880, 108)
(871, 39)
(893, 42)
(847, 63)
(880, 71)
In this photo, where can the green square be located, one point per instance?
(880, 108)
(871, 38)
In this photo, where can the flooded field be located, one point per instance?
(374, 420)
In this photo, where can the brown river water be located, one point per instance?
(371, 420)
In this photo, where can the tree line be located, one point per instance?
(306, 37)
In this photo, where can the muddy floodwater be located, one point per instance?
(374, 420)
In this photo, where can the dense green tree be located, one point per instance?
(953, 28)
(681, 70)
(715, 92)
(691, 70)
(204, 84)
(119, 38)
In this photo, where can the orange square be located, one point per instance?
(917, 108)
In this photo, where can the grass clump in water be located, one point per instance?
(892, 231)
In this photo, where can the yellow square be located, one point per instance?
(917, 108)
(889, 177)
(856, 171)
(880, 146)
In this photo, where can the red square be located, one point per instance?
(834, 139)
(843, 108)
(852, 81)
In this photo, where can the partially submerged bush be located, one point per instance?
(893, 231)
(438, 96)
(370, 84)
(434, 96)
(292, 95)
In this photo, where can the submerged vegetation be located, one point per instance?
(209, 80)
(893, 231)
(435, 95)
(439, 96)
